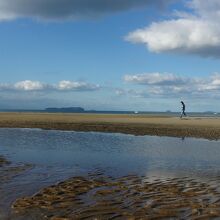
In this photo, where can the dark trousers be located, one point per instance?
(183, 113)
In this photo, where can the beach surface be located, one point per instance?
(54, 175)
(199, 127)
(96, 196)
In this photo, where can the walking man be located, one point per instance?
(183, 109)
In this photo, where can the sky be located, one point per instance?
(139, 55)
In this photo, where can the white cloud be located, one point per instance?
(155, 79)
(196, 33)
(171, 85)
(68, 9)
(28, 85)
(208, 9)
(213, 84)
(76, 86)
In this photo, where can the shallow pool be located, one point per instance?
(52, 156)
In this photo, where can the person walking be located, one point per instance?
(183, 109)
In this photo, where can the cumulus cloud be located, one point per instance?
(171, 85)
(29, 85)
(195, 33)
(76, 86)
(68, 9)
(208, 9)
(155, 79)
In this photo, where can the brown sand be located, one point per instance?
(3, 161)
(130, 124)
(8, 171)
(132, 197)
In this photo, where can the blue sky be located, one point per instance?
(137, 55)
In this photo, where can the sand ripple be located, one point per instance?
(96, 196)
(9, 170)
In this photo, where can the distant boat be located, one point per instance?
(136, 112)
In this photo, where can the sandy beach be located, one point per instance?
(198, 127)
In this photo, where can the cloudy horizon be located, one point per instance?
(110, 55)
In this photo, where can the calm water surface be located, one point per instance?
(57, 155)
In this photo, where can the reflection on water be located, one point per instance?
(118, 153)
(56, 155)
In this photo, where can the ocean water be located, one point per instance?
(52, 156)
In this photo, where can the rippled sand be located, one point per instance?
(97, 196)
(8, 170)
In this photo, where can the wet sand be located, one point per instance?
(129, 124)
(99, 196)
(3, 161)
(96, 196)
(8, 171)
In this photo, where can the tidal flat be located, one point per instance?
(50, 174)
(131, 197)
(140, 124)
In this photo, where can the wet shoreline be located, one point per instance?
(79, 175)
(156, 125)
(8, 172)
(97, 196)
